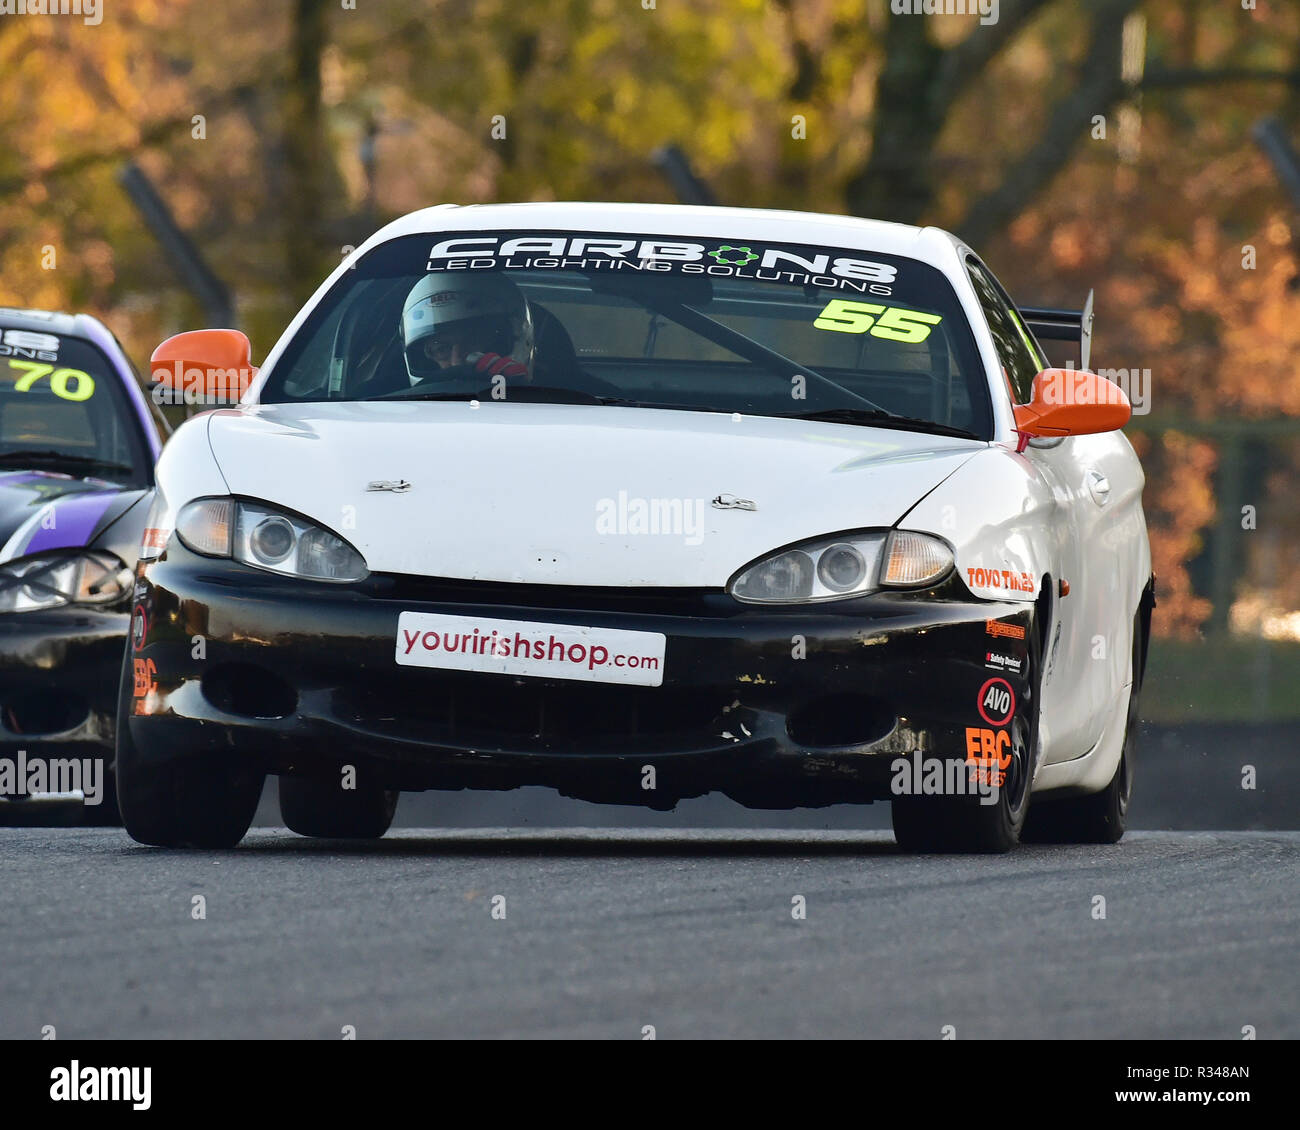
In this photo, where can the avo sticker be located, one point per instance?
(139, 627)
(996, 702)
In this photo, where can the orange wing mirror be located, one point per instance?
(1070, 402)
(202, 367)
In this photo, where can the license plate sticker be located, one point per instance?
(524, 647)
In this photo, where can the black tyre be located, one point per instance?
(1100, 818)
(327, 810)
(961, 824)
(196, 802)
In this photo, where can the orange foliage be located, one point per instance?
(1179, 503)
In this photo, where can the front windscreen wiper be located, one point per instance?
(521, 393)
(883, 419)
(417, 394)
(51, 458)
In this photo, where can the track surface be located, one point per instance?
(609, 930)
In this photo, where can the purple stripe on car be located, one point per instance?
(75, 519)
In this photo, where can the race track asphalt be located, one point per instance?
(606, 931)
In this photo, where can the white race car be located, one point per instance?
(641, 502)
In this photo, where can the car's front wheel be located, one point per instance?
(970, 823)
(965, 824)
(327, 810)
(187, 802)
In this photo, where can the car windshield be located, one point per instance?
(63, 408)
(687, 322)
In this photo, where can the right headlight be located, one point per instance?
(267, 539)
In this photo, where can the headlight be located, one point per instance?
(265, 538)
(53, 580)
(829, 569)
(913, 559)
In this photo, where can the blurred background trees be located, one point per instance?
(1104, 143)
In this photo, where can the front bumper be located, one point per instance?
(59, 680)
(777, 707)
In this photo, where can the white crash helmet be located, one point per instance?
(484, 312)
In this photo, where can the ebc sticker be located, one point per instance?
(660, 255)
(143, 671)
(988, 755)
(997, 702)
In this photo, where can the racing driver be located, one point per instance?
(456, 323)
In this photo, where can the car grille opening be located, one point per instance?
(839, 720)
(43, 712)
(519, 715)
(249, 690)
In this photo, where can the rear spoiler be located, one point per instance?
(1073, 326)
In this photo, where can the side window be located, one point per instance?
(1019, 355)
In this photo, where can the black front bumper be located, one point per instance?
(59, 680)
(776, 707)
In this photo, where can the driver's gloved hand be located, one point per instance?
(495, 365)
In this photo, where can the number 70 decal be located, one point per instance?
(891, 322)
(68, 384)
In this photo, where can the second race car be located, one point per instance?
(78, 441)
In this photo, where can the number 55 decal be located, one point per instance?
(891, 322)
(68, 384)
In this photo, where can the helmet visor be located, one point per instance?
(452, 343)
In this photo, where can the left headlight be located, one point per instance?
(54, 580)
(848, 565)
(267, 539)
